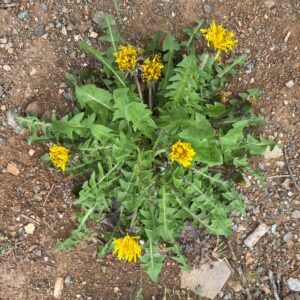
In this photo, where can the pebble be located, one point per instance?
(283, 46)
(6, 68)
(64, 30)
(258, 233)
(270, 3)
(287, 236)
(98, 18)
(2, 141)
(3, 40)
(296, 214)
(280, 164)
(38, 30)
(68, 281)
(31, 152)
(13, 169)
(44, 6)
(93, 34)
(11, 121)
(294, 284)
(23, 14)
(58, 287)
(290, 84)
(29, 228)
(207, 8)
(34, 109)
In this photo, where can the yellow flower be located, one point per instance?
(182, 152)
(59, 156)
(127, 247)
(151, 68)
(126, 57)
(219, 38)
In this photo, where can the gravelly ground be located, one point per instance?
(38, 44)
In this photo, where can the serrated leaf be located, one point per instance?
(100, 131)
(207, 152)
(89, 95)
(140, 116)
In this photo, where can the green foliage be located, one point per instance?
(121, 143)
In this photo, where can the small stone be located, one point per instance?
(296, 214)
(258, 233)
(98, 18)
(70, 27)
(34, 109)
(93, 34)
(290, 84)
(58, 287)
(294, 284)
(2, 141)
(10, 50)
(31, 152)
(38, 30)
(6, 68)
(208, 280)
(271, 154)
(44, 6)
(11, 121)
(13, 169)
(23, 14)
(3, 40)
(29, 228)
(32, 72)
(286, 184)
(270, 3)
(283, 46)
(207, 8)
(287, 236)
(64, 30)
(280, 164)
(68, 281)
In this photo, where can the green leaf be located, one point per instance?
(140, 116)
(207, 152)
(215, 110)
(99, 56)
(193, 32)
(152, 260)
(122, 98)
(112, 36)
(239, 61)
(170, 45)
(94, 97)
(194, 131)
(100, 131)
(154, 43)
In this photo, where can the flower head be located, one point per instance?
(219, 38)
(127, 247)
(126, 57)
(182, 152)
(151, 68)
(59, 156)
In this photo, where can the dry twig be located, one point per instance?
(30, 219)
(275, 290)
(50, 191)
(4, 6)
(240, 271)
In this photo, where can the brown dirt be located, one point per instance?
(29, 263)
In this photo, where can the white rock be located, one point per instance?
(29, 228)
(294, 284)
(290, 84)
(259, 232)
(275, 153)
(296, 214)
(269, 3)
(93, 34)
(13, 169)
(208, 280)
(58, 288)
(6, 68)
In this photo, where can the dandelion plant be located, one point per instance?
(159, 137)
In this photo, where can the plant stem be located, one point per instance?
(150, 86)
(138, 86)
